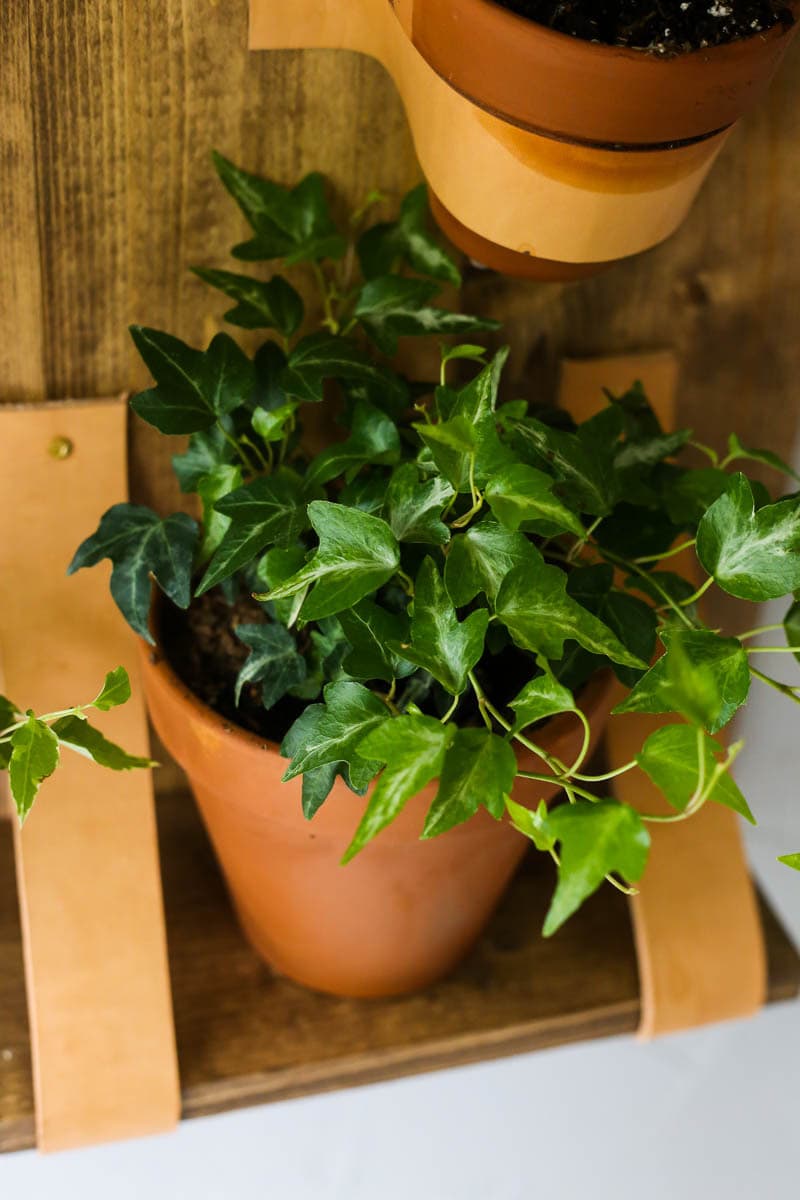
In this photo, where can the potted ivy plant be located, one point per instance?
(393, 653)
(556, 137)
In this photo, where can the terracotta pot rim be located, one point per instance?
(556, 85)
(592, 696)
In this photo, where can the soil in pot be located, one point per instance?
(665, 27)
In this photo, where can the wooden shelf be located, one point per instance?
(246, 1036)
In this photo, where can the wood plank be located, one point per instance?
(246, 1036)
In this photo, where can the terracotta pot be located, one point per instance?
(396, 918)
(549, 156)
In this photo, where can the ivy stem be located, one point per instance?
(773, 649)
(701, 591)
(711, 454)
(751, 633)
(656, 558)
(265, 463)
(330, 319)
(635, 569)
(581, 542)
(587, 737)
(406, 581)
(46, 718)
(784, 688)
(239, 450)
(443, 720)
(608, 774)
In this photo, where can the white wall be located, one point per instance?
(699, 1116)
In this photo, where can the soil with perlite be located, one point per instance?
(660, 26)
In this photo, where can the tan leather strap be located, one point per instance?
(102, 1035)
(698, 935)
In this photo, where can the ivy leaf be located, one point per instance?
(737, 451)
(479, 769)
(670, 758)
(212, 488)
(520, 495)
(633, 621)
(481, 558)
(195, 387)
(322, 356)
(687, 494)
(414, 509)
(83, 738)
(141, 546)
(791, 624)
(270, 304)
(116, 690)
(790, 860)
(374, 439)
(646, 452)
(441, 644)
(535, 607)
(357, 554)
(533, 823)
(270, 424)
(294, 224)
(206, 451)
(317, 786)
(271, 509)
(465, 444)
(595, 839)
(752, 554)
(34, 757)
(450, 353)
(330, 733)
(587, 476)
(409, 240)
(393, 306)
(413, 749)
(9, 715)
(701, 675)
(274, 662)
(540, 698)
(370, 629)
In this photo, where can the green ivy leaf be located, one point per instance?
(441, 644)
(370, 629)
(595, 839)
(206, 451)
(270, 424)
(34, 757)
(701, 675)
(520, 495)
(481, 558)
(414, 509)
(633, 621)
(541, 697)
(791, 624)
(330, 734)
(533, 823)
(322, 356)
(393, 306)
(646, 452)
(752, 554)
(534, 606)
(465, 445)
(9, 715)
(270, 304)
(670, 758)
(582, 465)
(290, 223)
(116, 690)
(413, 749)
(409, 240)
(271, 509)
(374, 439)
(273, 662)
(83, 738)
(212, 488)
(141, 546)
(737, 451)
(479, 769)
(687, 494)
(357, 554)
(790, 860)
(195, 387)
(317, 786)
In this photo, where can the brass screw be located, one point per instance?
(60, 447)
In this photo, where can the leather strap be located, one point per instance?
(698, 935)
(103, 1042)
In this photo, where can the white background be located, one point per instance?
(706, 1115)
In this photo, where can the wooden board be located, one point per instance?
(246, 1036)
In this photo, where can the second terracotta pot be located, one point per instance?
(396, 918)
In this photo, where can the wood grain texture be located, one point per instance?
(246, 1036)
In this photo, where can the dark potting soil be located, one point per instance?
(203, 650)
(661, 26)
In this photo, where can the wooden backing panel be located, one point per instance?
(87, 858)
(21, 361)
(710, 964)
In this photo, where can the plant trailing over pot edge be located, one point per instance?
(30, 746)
(451, 574)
